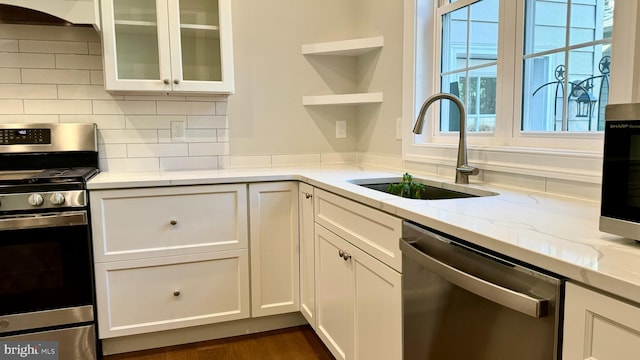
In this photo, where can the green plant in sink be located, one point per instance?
(407, 188)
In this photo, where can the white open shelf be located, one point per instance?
(342, 99)
(352, 47)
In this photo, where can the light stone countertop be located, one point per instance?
(559, 234)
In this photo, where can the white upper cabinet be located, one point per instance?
(168, 46)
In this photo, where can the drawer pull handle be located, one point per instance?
(173, 222)
(343, 254)
(176, 293)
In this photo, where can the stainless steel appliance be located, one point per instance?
(46, 268)
(463, 302)
(620, 205)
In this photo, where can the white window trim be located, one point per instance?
(536, 154)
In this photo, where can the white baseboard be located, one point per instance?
(200, 333)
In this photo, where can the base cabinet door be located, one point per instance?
(378, 309)
(273, 224)
(599, 327)
(307, 251)
(358, 301)
(147, 295)
(334, 294)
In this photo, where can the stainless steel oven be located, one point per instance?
(46, 268)
(463, 302)
(620, 205)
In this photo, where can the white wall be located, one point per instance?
(266, 115)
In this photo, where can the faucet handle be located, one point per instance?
(468, 170)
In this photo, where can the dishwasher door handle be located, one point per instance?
(517, 301)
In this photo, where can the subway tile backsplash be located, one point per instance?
(54, 74)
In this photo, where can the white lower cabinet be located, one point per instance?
(169, 257)
(174, 257)
(599, 327)
(273, 222)
(358, 301)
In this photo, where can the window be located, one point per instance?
(553, 68)
(517, 123)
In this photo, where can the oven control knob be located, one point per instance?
(57, 199)
(35, 200)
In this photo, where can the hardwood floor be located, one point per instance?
(296, 343)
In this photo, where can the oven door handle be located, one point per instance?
(67, 218)
(520, 302)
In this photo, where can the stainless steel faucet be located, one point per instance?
(463, 170)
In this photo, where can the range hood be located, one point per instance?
(51, 12)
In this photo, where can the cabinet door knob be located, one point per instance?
(166, 81)
(176, 81)
(341, 253)
(173, 222)
(307, 195)
(176, 293)
(346, 256)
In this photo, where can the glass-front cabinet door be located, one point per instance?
(168, 45)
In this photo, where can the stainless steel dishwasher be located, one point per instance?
(464, 302)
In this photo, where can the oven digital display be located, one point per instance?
(25, 136)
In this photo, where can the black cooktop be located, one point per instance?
(56, 179)
(46, 176)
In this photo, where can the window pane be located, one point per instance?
(591, 20)
(454, 40)
(589, 84)
(455, 84)
(543, 92)
(487, 95)
(482, 110)
(546, 25)
(483, 32)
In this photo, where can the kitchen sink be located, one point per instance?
(434, 190)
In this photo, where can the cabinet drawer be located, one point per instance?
(373, 231)
(148, 295)
(142, 223)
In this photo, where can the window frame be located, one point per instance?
(565, 155)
